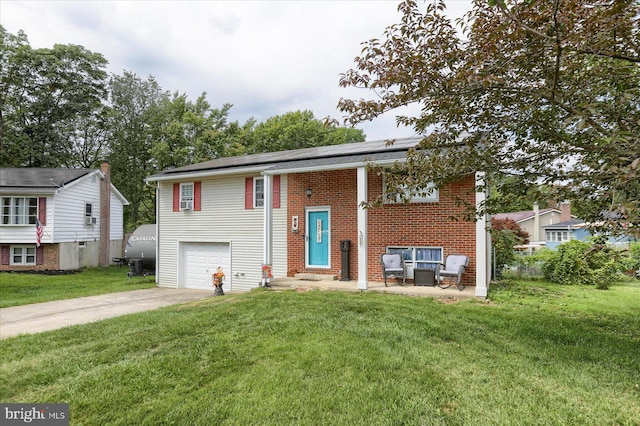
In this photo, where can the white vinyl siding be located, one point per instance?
(116, 228)
(222, 219)
(70, 211)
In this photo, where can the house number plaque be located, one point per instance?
(318, 231)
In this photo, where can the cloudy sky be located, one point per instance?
(265, 57)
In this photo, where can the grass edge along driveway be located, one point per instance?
(18, 288)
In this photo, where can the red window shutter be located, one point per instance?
(276, 192)
(39, 255)
(176, 197)
(248, 193)
(197, 190)
(6, 255)
(42, 210)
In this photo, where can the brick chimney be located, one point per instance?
(565, 211)
(536, 222)
(105, 214)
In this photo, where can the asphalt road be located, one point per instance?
(38, 317)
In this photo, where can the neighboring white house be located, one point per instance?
(59, 219)
(298, 212)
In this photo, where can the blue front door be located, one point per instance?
(318, 239)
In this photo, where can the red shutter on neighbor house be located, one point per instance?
(276, 192)
(248, 193)
(39, 255)
(197, 190)
(42, 210)
(176, 197)
(6, 256)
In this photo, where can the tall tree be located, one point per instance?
(135, 120)
(544, 91)
(299, 129)
(13, 76)
(44, 91)
(190, 132)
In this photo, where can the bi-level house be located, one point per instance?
(59, 219)
(298, 212)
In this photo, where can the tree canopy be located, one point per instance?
(542, 92)
(60, 108)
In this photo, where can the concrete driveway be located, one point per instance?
(46, 316)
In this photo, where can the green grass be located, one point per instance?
(536, 354)
(23, 288)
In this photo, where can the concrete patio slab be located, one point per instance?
(393, 288)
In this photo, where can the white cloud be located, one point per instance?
(264, 57)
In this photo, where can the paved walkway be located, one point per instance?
(46, 316)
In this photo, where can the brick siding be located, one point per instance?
(51, 261)
(418, 224)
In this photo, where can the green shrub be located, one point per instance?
(631, 259)
(568, 264)
(580, 262)
(503, 242)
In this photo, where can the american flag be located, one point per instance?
(38, 232)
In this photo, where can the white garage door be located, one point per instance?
(201, 260)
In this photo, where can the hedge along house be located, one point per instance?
(292, 209)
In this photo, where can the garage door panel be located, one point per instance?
(201, 260)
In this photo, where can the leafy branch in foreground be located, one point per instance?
(543, 92)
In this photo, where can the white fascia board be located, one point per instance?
(16, 191)
(119, 195)
(327, 167)
(205, 173)
(88, 175)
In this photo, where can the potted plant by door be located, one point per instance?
(216, 280)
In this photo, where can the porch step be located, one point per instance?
(315, 277)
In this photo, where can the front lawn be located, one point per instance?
(17, 288)
(537, 354)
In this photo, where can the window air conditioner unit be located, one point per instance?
(88, 220)
(186, 205)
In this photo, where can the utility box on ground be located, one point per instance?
(345, 248)
(424, 276)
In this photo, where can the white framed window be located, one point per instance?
(88, 214)
(419, 257)
(186, 196)
(429, 194)
(19, 210)
(258, 192)
(558, 236)
(82, 244)
(23, 255)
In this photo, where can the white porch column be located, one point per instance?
(267, 252)
(483, 241)
(363, 246)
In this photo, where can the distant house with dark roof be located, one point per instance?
(298, 212)
(561, 232)
(534, 222)
(59, 219)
